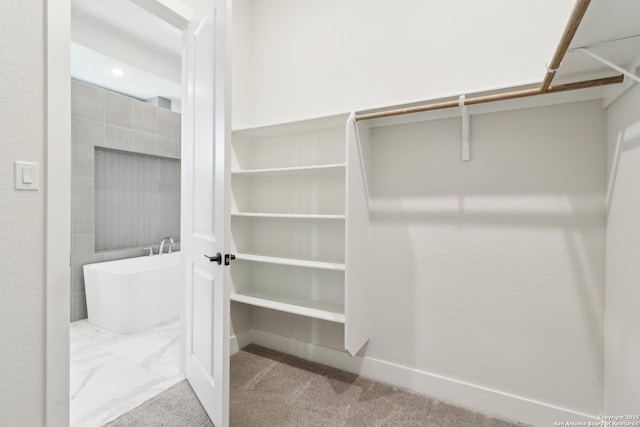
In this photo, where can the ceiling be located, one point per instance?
(97, 68)
(127, 23)
(108, 34)
(133, 22)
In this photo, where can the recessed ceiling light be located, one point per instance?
(118, 72)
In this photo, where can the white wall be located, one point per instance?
(622, 331)
(22, 328)
(492, 271)
(319, 57)
(242, 59)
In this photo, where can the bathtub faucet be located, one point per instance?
(162, 244)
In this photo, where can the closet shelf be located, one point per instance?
(335, 167)
(291, 261)
(303, 307)
(288, 216)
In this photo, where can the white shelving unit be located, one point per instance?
(288, 216)
(295, 170)
(301, 306)
(294, 262)
(292, 224)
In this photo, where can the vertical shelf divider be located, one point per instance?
(357, 251)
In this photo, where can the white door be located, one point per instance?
(205, 219)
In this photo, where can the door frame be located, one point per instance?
(57, 170)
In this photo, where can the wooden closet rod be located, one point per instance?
(545, 87)
(492, 98)
(569, 31)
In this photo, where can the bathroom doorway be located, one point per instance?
(126, 90)
(204, 32)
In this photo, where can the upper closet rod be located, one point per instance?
(570, 29)
(545, 87)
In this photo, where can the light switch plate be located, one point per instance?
(27, 176)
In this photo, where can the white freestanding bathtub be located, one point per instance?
(134, 294)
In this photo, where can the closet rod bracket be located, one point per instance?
(464, 113)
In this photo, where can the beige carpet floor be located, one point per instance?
(272, 389)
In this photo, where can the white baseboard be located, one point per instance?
(238, 341)
(482, 399)
(233, 345)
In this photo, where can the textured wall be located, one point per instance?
(100, 118)
(22, 302)
(137, 199)
(494, 269)
(622, 331)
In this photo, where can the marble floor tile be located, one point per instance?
(164, 360)
(86, 358)
(143, 342)
(118, 409)
(111, 374)
(91, 404)
(84, 334)
(111, 369)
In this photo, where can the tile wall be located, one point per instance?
(101, 118)
(137, 199)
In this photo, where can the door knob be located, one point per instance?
(228, 258)
(217, 258)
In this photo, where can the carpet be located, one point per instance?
(273, 389)
(177, 406)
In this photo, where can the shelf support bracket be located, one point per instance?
(613, 93)
(464, 113)
(608, 63)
